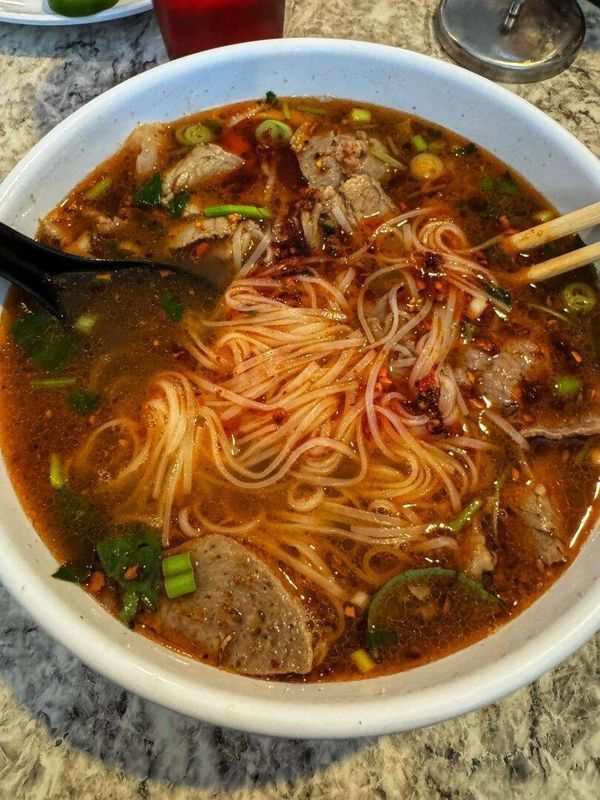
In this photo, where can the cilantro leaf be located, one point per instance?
(149, 193)
(83, 402)
(172, 306)
(44, 340)
(271, 98)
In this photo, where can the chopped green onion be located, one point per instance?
(172, 306)
(285, 109)
(86, 322)
(363, 661)
(273, 132)
(149, 193)
(384, 156)
(180, 584)
(83, 402)
(55, 475)
(174, 565)
(418, 143)
(359, 115)
(463, 150)
(550, 311)
(567, 385)
(465, 517)
(319, 112)
(52, 383)
(392, 145)
(192, 135)
(271, 98)
(545, 215)
(498, 293)
(98, 189)
(579, 298)
(248, 212)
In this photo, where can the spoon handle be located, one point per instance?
(18, 266)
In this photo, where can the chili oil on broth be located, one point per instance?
(135, 340)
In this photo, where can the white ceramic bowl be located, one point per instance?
(523, 137)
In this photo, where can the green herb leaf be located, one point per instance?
(271, 98)
(44, 340)
(463, 150)
(74, 572)
(172, 306)
(137, 546)
(487, 184)
(499, 293)
(83, 402)
(149, 193)
(178, 203)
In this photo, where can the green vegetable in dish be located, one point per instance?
(55, 474)
(498, 293)
(86, 322)
(462, 150)
(44, 340)
(149, 193)
(465, 517)
(178, 203)
(84, 402)
(74, 572)
(418, 143)
(382, 155)
(98, 189)
(132, 559)
(388, 606)
(172, 306)
(192, 135)
(78, 516)
(273, 133)
(567, 385)
(248, 212)
(579, 298)
(360, 115)
(80, 8)
(271, 98)
(179, 575)
(52, 383)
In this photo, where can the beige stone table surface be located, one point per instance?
(67, 733)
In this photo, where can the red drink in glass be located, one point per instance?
(188, 26)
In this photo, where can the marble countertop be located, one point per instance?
(66, 732)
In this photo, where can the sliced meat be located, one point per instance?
(326, 159)
(148, 141)
(240, 613)
(532, 505)
(505, 371)
(203, 164)
(364, 198)
(479, 558)
(199, 230)
(587, 424)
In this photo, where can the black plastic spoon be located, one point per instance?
(36, 267)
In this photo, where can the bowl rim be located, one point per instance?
(272, 715)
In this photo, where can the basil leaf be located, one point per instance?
(83, 402)
(178, 203)
(149, 193)
(74, 572)
(172, 306)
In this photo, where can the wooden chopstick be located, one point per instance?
(554, 229)
(559, 265)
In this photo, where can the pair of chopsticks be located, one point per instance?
(549, 232)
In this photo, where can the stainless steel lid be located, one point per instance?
(515, 41)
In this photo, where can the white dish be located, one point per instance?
(38, 12)
(555, 162)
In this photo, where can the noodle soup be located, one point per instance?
(337, 439)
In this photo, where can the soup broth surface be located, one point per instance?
(340, 374)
